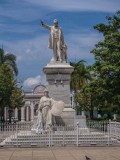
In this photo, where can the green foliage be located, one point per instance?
(10, 94)
(79, 78)
(6, 84)
(77, 75)
(107, 66)
(16, 98)
(8, 59)
(97, 87)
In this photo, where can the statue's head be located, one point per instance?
(46, 92)
(55, 22)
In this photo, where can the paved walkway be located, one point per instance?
(60, 153)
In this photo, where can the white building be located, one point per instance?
(29, 110)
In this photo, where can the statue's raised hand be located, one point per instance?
(42, 23)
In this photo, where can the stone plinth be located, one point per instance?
(58, 78)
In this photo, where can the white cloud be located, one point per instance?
(31, 49)
(28, 10)
(80, 45)
(20, 10)
(34, 81)
(84, 39)
(79, 5)
(28, 51)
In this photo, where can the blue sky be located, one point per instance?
(22, 34)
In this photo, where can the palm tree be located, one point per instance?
(79, 77)
(9, 59)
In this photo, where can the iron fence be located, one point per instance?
(114, 128)
(94, 133)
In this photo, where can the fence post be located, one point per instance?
(63, 135)
(49, 137)
(17, 133)
(104, 123)
(115, 129)
(52, 135)
(77, 134)
(109, 132)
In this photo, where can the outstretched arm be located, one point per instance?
(45, 25)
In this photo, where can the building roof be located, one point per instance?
(39, 89)
(37, 93)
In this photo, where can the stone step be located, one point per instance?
(104, 139)
(61, 142)
(56, 138)
(66, 138)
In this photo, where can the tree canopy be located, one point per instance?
(107, 63)
(8, 59)
(10, 94)
(101, 91)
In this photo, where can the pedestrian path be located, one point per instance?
(60, 153)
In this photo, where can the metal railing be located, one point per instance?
(114, 128)
(94, 133)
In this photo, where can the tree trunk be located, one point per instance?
(91, 112)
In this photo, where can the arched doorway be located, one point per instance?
(19, 114)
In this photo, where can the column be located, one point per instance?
(22, 114)
(32, 111)
(83, 113)
(115, 116)
(16, 113)
(27, 113)
(5, 113)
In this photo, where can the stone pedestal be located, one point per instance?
(58, 78)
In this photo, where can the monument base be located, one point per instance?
(69, 117)
(58, 78)
(66, 118)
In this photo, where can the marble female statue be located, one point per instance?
(45, 117)
(47, 110)
(56, 42)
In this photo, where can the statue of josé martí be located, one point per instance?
(56, 42)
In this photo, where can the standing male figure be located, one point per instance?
(56, 40)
